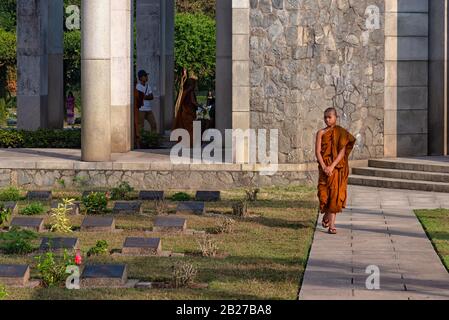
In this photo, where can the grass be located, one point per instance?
(436, 225)
(267, 252)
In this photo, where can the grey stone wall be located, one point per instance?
(307, 55)
(32, 179)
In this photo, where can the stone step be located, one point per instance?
(402, 174)
(410, 165)
(392, 183)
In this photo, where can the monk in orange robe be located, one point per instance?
(334, 144)
(187, 111)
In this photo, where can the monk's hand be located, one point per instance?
(327, 171)
(331, 169)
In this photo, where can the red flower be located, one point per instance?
(78, 259)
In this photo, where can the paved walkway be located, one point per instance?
(378, 228)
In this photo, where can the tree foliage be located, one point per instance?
(72, 59)
(8, 15)
(195, 45)
(7, 48)
(206, 7)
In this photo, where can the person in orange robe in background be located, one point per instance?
(334, 144)
(188, 107)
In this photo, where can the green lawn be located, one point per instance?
(267, 252)
(436, 224)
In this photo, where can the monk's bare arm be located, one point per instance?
(319, 136)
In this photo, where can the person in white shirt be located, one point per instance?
(143, 104)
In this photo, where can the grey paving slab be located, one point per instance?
(377, 228)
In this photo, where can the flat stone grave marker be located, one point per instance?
(194, 207)
(98, 224)
(128, 207)
(169, 224)
(39, 195)
(12, 205)
(208, 196)
(35, 224)
(74, 209)
(104, 276)
(142, 246)
(55, 244)
(14, 275)
(151, 195)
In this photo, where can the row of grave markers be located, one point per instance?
(132, 246)
(92, 276)
(143, 195)
(122, 207)
(98, 276)
(102, 224)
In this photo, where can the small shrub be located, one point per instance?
(3, 112)
(17, 241)
(240, 209)
(61, 223)
(181, 196)
(225, 225)
(208, 246)
(161, 207)
(33, 209)
(251, 194)
(100, 248)
(80, 181)
(4, 214)
(150, 140)
(184, 274)
(61, 182)
(10, 194)
(95, 203)
(52, 268)
(122, 192)
(3, 293)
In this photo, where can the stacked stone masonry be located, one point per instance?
(309, 55)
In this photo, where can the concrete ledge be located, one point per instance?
(162, 166)
(45, 169)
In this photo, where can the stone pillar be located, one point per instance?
(32, 64)
(223, 83)
(148, 24)
(168, 65)
(121, 81)
(55, 49)
(438, 81)
(240, 73)
(406, 73)
(95, 80)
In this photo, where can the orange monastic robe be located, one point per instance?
(332, 191)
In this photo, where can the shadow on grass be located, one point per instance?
(141, 294)
(281, 223)
(284, 204)
(439, 235)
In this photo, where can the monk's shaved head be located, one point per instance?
(331, 110)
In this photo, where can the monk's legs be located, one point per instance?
(332, 220)
(325, 219)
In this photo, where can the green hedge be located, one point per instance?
(43, 138)
(7, 47)
(72, 59)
